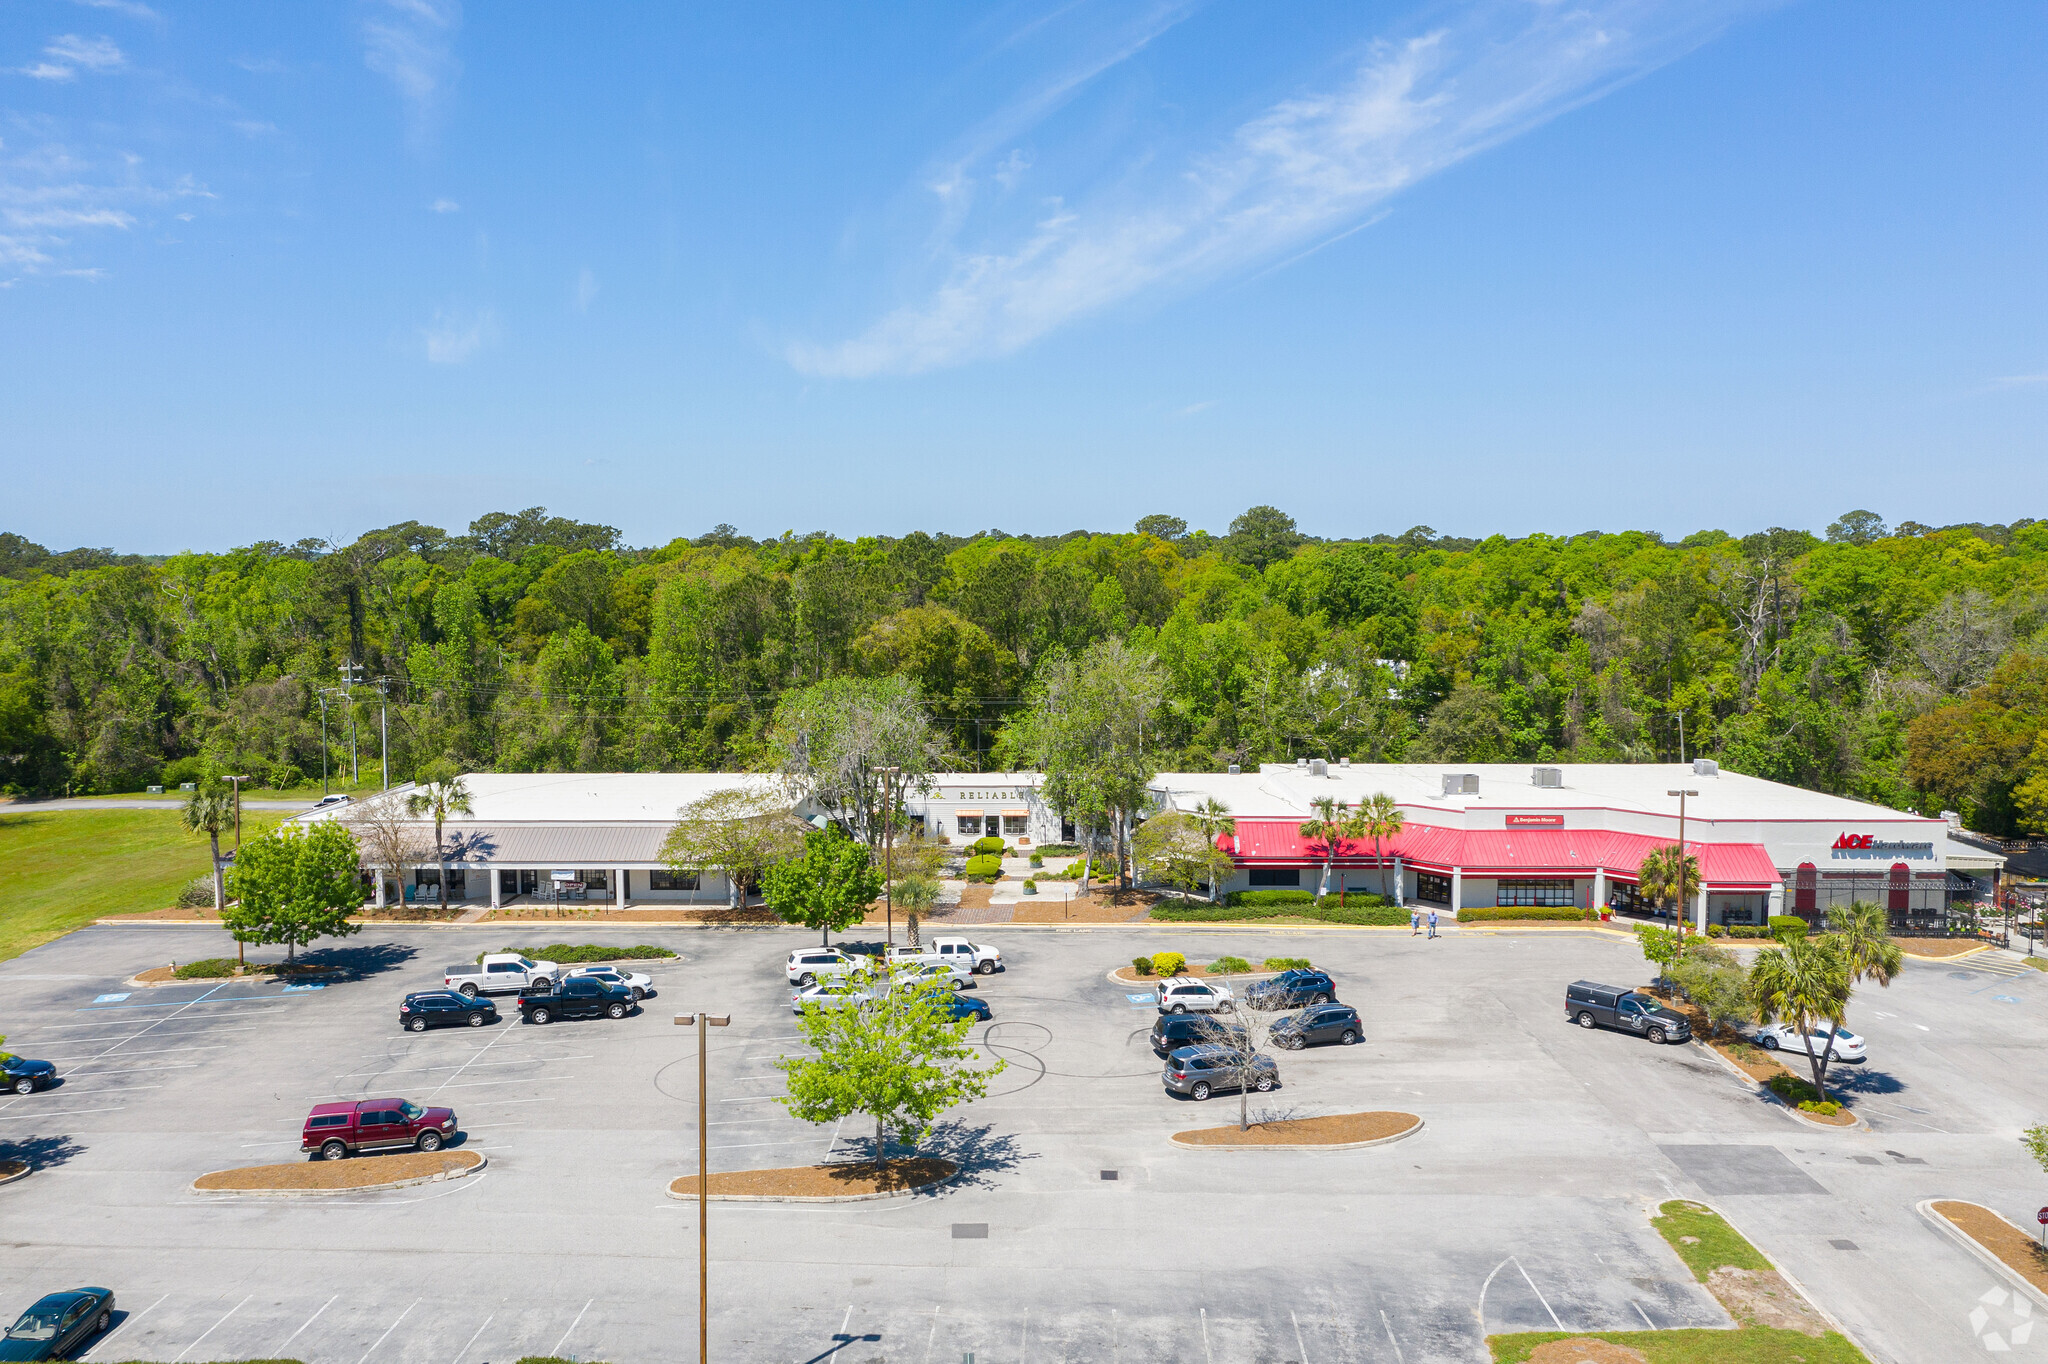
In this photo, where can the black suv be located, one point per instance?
(444, 1008)
(1291, 990)
(1174, 1031)
(1324, 1023)
(1610, 1006)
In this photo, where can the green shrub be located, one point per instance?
(1792, 1089)
(1748, 931)
(1709, 977)
(1169, 963)
(1716, 931)
(1539, 914)
(1826, 1108)
(573, 953)
(211, 968)
(1060, 849)
(1787, 925)
(1224, 966)
(984, 867)
(987, 845)
(198, 892)
(1287, 963)
(1037, 860)
(1362, 910)
(181, 770)
(1142, 965)
(1242, 899)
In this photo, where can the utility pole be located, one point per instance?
(889, 850)
(702, 1020)
(1683, 908)
(241, 948)
(384, 728)
(351, 676)
(323, 743)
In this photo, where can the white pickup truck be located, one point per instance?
(500, 973)
(968, 956)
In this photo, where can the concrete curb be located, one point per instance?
(1959, 956)
(815, 1198)
(1770, 1097)
(252, 978)
(442, 1177)
(9, 1176)
(1154, 981)
(1829, 1317)
(1301, 1146)
(1925, 1207)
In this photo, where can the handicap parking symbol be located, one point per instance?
(1143, 999)
(289, 988)
(109, 999)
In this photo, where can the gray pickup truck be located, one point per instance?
(500, 973)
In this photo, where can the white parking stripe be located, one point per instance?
(137, 1316)
(566, 1334)
(1539, 1296)
(307, 1322)
(211, 1329)
(472, 1340)
(63, 1113)
(380, 1339)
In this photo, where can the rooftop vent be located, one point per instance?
(1317, 767)
(1952, 819)
(1235, 769)
(1461, 783)
(1547, 776)
(1705, 767)
(1343, 762)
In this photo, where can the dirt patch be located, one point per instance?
(1938, 949)
(1089, 911)
(2020, 1252)
(667, 914)
(357, 1172)
(258, 973)
(1763, 1298)
(823, 1181)
(975, 897)
(1585, 1350)
(12, 1169)
(1337, 1129)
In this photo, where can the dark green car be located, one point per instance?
(59, 1324)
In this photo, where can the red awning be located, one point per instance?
(1513, 852)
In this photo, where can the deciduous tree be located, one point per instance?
(295, 884)
(829, 887)
(739, 831)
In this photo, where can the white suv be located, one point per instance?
(1195, 997)
(810, 965)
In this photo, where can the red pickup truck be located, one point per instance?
(338, 1130)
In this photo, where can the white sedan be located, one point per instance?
(641, 986)
(1785, 1037)
(828, 995)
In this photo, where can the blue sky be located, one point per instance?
(269, 271)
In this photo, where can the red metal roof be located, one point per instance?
(1493, 852)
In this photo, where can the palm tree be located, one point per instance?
(1805, 981)
(1864, 931)
(1214, 819)
(1327, 828)
(1667, 875)
(1378, 817)
(211, 812)
(442, 798)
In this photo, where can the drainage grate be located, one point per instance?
(970, 1231)
(1840, 1244)
(1109, 1174)
(1868, 1160)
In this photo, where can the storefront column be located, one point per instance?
(619, 880)
(1400, 891)
(493, 872)
(1457, 889)
(378, 872)
(1600, 890)
(1701, 925)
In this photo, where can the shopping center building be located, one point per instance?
(1473, 835)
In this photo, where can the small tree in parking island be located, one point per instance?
(827, 888)
(899, 1057)
(296, 884)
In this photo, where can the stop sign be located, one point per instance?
(2042, 1217)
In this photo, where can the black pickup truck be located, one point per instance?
(1595, 1006)
(577, 997)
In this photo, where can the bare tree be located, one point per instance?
(851, 743)
(1247, 1036)
(392, 839)
(740, 831)
(1960, 641)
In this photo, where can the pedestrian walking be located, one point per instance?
(1432, 922)
(1414, 922)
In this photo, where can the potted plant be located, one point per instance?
(1030, 886)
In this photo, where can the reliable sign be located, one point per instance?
(1870, 845)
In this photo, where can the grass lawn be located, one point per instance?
(66, 868)
(1751, 1345)
(1703, 1240)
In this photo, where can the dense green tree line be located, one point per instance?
(1900, 665)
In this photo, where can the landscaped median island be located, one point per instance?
(2003, 1241)
(343, 1176)
(1332, 1131)
(227, 968)
(1759, 1065)
(1167, 965)
(823, 1183)
(1775, 1324)
(582, 954)
(11, 1170)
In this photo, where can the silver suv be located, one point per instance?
(1201, 1071)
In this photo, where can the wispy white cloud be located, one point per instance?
(444, 206)
(411, 44)
(47, 71)
(586, 289)
(68, 217)
(132, 8)
(2019, 381)
(94, 54)
(1297, 174)
(456, 335)
(56, 200)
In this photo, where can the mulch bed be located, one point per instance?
(357, 1172)
(1089, 911)
(1334, 1130)
(1752, 1060)
(2020, 1252)
(1938, 949)
(258, 971)
(10, 1168)
(541, 914)
(824, 1181)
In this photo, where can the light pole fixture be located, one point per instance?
(1682, 908)
(889, 850)
(241, 948)
(703, 1021)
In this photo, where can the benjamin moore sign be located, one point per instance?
(1871, 846)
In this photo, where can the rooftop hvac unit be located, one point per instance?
(1235, 769)
(1705, 767)
(1461, 783)
(1317, 767)
(1547, 776)
(1343, 762)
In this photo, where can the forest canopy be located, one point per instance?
(1905, 665)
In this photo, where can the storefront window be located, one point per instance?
(1435, 889)
(594, 880)
(968, 824)
(1562, 894)
(1275, 876)
(1013, 825)
(672, 880)
(1622, 896)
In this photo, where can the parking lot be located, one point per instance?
(1521, 1205)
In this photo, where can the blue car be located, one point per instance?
(967, 1006)
(58, 1324)
(24, 1076)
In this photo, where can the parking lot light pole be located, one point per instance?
(889, 850)
(1683, 908)
(703, 1021)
